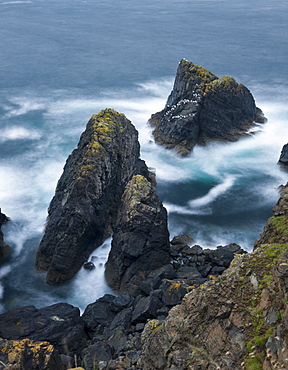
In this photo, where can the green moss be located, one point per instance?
(253, 363)
(278, 229)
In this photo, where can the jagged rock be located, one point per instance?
(4, 248)
(174, 291)
(29, 355)
(239, 320)
(94, 354)
(141, 240)
(98, 315)
(146, 308)
(155, 277)
(203, 107)
(83, 211)
(59, 324)
(284, 155)
(120, 302)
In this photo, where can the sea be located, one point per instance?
(64, 60)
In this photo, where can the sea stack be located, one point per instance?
(84, 208)
(203, 107)
(141, 240)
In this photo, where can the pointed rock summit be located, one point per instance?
(203, 107)
(83, 211)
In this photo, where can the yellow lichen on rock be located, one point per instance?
(40, 355)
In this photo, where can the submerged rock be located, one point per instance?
(141, 240)
(83, 211)
(203, 107)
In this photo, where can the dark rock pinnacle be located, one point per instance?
(203, 107)
(83, 210)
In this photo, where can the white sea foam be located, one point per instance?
(88, 285)
(17, 2)
(23, 105)
(174, 208)
(18, 133)
(214, 193)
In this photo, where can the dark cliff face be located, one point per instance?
(141, 240)
(83, 211)
(203, 107)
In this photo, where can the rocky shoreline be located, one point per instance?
(175, 306)
(108, 334)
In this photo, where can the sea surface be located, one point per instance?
(64, 60)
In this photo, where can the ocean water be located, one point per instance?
(62, 61)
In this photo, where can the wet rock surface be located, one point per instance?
(203, 107)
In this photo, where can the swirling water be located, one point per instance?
(63, 61)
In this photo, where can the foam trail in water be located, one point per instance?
(214, 193)
(174, 208)
(18, 133)
(89, 285)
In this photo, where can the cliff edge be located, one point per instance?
(239, 320)
(203, 107)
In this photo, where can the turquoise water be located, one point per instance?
(63, 61)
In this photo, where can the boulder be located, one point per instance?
(4, 248)
(203, 107)
(83, 210)
(94, 354)
(98, 315)
(284, 155)
(59, 324)
(140, 241)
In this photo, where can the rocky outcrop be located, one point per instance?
(4, 248)
(59, 324)
(203, 107)
(108, 335)
(238, 320)
(284, 155)
(83, 211)
(141, 240)
(28, 355)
